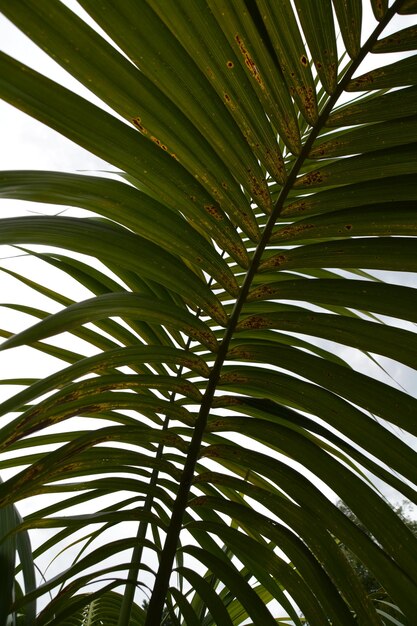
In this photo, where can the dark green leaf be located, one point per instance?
(349, 16)
(400, 41)
(397, 74)
(383, 106)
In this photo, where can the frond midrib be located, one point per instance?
(167, 557)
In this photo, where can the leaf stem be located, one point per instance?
(162, 579)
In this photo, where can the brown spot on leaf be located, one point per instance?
(240, 353)
(295, 207)
(261, 293)
(94, 408)
(254, 322)
(274, 262)
(233, 377)
(214, 212)
(363, 81)
(223, 401)
(249, 62)
(304, 60)
(200, 367)
(311, 179)
(159, 143)
(307, 97)
(259, 190)
(278, 260)
(230, 64)
(290, 231)
(138, 123)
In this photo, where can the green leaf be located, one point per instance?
(220, 66)
(109, 243)
(8, 521)
(369, 166)
(99, 283)
(107, 305)
(349, 16)
(397, 74)
(321, 41)
(308, 496)
(97, 607)
(383, 253)
(151, 164)
(395, 133)
(265, 76)
(392, 189)
(343, 382)
(386, 299)
(396, 219)
(299, 557)
(46, 467)
(116, 81)
(408, 7)
(382, 106)
(280, 23)
(211, 600)
(186, 609)
(379, 8)
(25, 552)
(110, 198)
(105, 362)
(230, 577)
(367, 336)
(400, 41)
(151, 45)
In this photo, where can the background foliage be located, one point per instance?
(372, 586)
(194, 452)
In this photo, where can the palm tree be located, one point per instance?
(262, 176)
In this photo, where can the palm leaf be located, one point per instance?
(191, 448)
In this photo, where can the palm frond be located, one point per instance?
(192, 445)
